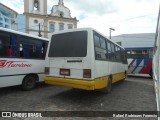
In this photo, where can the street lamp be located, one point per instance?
(39, 32)
(110, 30)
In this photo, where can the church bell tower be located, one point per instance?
(35, 12)
(35, 6)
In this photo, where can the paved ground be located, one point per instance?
(133, 94)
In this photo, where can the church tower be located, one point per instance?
(35, 6)
(35, 12)
(60, 2)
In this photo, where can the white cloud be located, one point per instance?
(103, 14)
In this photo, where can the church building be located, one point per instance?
(39, 23)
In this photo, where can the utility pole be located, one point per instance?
(39, 31)
(110, 30)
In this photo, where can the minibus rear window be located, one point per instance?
(71, 44)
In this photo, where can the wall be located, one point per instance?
(21, 23)
(135, 40)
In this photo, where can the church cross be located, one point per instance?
(60, 2)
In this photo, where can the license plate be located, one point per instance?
(65, 72)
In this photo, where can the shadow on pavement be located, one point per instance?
(18, 88)
(140, 76)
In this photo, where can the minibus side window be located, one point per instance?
(7, 45)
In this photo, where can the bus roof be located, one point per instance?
(85, 29)
(21, 33)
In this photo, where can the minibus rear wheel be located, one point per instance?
(108, 88)
(125, 76)
(29, 82)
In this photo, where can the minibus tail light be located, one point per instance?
(46, 70)
(87, 73)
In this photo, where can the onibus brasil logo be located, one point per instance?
(13, 64)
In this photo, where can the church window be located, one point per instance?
(70, 26)
(61, 14)
(36, 5)
(35, 21)
(61, 26)
(51, 27)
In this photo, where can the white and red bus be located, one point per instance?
(22, 59)
(85, 59)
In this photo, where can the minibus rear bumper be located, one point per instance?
(69, 82)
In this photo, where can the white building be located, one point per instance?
(139, 40)
(7, 17)
(38, 22)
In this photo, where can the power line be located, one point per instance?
(34, 26)
(127, 19)
(139, 17)
(135, 17)
(113, 36)
(103, 23)
(25, 27)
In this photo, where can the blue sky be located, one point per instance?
(126, 16)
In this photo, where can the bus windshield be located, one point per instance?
(72, 44)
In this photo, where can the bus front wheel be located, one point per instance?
(29, 82)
